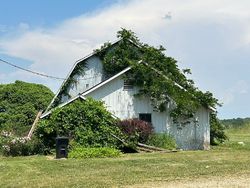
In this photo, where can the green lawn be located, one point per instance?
(131, 169)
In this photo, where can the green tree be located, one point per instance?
(19, 104)
(235, 122)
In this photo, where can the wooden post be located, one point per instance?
(34, 125)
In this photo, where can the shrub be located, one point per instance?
(19, 104)
(217, 134)
(80, 152)
(21, 147)
(162, 140)
(87, 122)
(136, 130)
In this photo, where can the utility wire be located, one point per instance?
(37, 73)
(30, 71)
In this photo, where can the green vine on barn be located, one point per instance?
(158, 77)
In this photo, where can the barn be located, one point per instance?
(120, 99)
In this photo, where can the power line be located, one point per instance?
(30, 71)
(38, 73)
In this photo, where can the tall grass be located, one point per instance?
(162, 140)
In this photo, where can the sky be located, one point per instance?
(211, 37)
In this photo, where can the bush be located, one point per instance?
(217, 134)
(21, 147)
(19, 104)
(80, 152)
(136, 130)
(87, 122)
(162, 140)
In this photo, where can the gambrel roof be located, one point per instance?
(74, 67)
(70, 72)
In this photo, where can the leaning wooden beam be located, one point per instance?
(143, 147)
(34, 125)
(150, 147)
(121, 140)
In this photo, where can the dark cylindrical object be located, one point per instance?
(62, 147)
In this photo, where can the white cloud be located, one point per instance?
(207, 36)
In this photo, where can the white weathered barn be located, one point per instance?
(119, 98)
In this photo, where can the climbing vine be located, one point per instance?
(157, 76)
(122, 55)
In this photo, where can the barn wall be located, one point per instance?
(194, 135)
(124, 105)
(93, 74)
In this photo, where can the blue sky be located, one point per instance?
(212, 37)
(46, 12)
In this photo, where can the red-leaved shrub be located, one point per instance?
(135, 128)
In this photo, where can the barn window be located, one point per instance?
(145, 117)
(127, 85)
(87, 86)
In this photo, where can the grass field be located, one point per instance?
(223, 166)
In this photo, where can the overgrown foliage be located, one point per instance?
(19, 104)
(162, 140)
(217, 134)
(80, 152)
(11, 145)
(122, 55)
(87, 122)
(157, 75)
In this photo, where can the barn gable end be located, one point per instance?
(85, 73)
